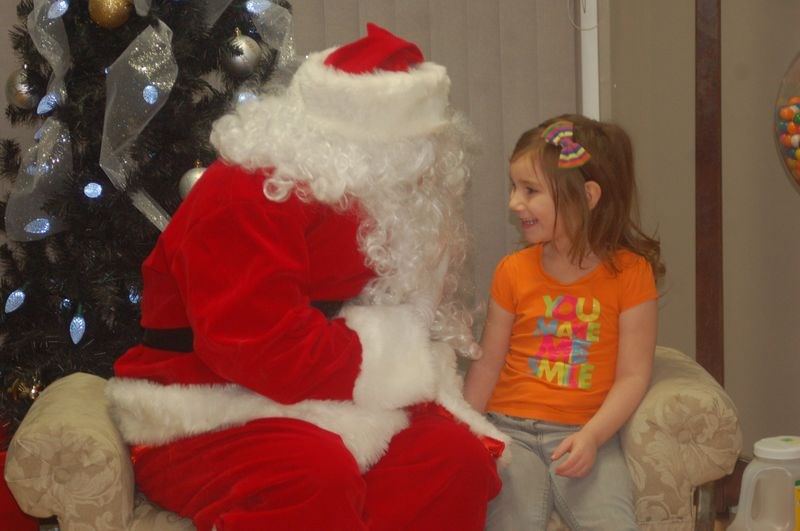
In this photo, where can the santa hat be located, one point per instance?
(379, 87)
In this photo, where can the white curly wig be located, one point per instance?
(387, 140)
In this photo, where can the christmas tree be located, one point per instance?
(123, 93)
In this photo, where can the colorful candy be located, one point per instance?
(787, 131)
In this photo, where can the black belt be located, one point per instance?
(182, 339)
(175, 339)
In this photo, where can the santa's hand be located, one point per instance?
(426, 298)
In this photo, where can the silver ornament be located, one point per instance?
(19, 92)
(189, 179)
(243, 64)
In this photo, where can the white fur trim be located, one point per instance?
(387, 105)
(151, 413)
(397, 368)
(450, 395)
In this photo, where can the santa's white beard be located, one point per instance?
(408, 227)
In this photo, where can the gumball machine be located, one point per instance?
(787, 122)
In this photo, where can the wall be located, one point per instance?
(761, 210)
(648, 87)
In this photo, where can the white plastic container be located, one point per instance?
(770, 495)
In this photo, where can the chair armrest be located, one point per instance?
(684, 433)
(67, 458)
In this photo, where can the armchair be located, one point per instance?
(67, 458)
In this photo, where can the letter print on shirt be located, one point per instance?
(567, 330)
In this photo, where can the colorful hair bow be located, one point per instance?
(560, 134)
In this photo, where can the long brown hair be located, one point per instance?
(613, 223)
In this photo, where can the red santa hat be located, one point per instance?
(379, 87)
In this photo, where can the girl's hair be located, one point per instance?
(613, 223)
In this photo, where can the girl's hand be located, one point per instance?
(582, 449)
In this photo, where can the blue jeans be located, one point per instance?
(602, 500)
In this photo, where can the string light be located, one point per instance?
(38, 226)
(15, 300)
(58, 9)
(77, 327)
(93, 190)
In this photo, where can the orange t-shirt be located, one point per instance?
(564, 341)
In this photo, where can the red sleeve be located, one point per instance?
(243, 271)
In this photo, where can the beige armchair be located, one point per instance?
(68, 460)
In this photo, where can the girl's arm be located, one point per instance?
(637, 343)
(483, 373)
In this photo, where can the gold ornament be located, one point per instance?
(17, 389)
(19, 92)
(21, 389)
(110, 13)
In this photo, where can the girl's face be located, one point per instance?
(532, 200)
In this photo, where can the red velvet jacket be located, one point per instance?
(241, 271)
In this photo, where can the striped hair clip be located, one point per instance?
(560, 134)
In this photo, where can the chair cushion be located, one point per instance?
(150, 517)
(67, 458)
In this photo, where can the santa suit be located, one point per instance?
(253, 409)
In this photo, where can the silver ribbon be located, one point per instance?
(137, 87)
(43, 172)
(47, 164)
(274, 23)
(47, 32)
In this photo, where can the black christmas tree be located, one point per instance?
(123, 93)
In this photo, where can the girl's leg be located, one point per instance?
(435, 475)
(603, 499)
(525, 501)
(269, 473)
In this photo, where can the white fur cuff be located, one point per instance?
(397, 367)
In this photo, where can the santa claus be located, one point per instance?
(301, 313)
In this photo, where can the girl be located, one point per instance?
(571, 328)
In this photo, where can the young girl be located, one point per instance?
(571, 328)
